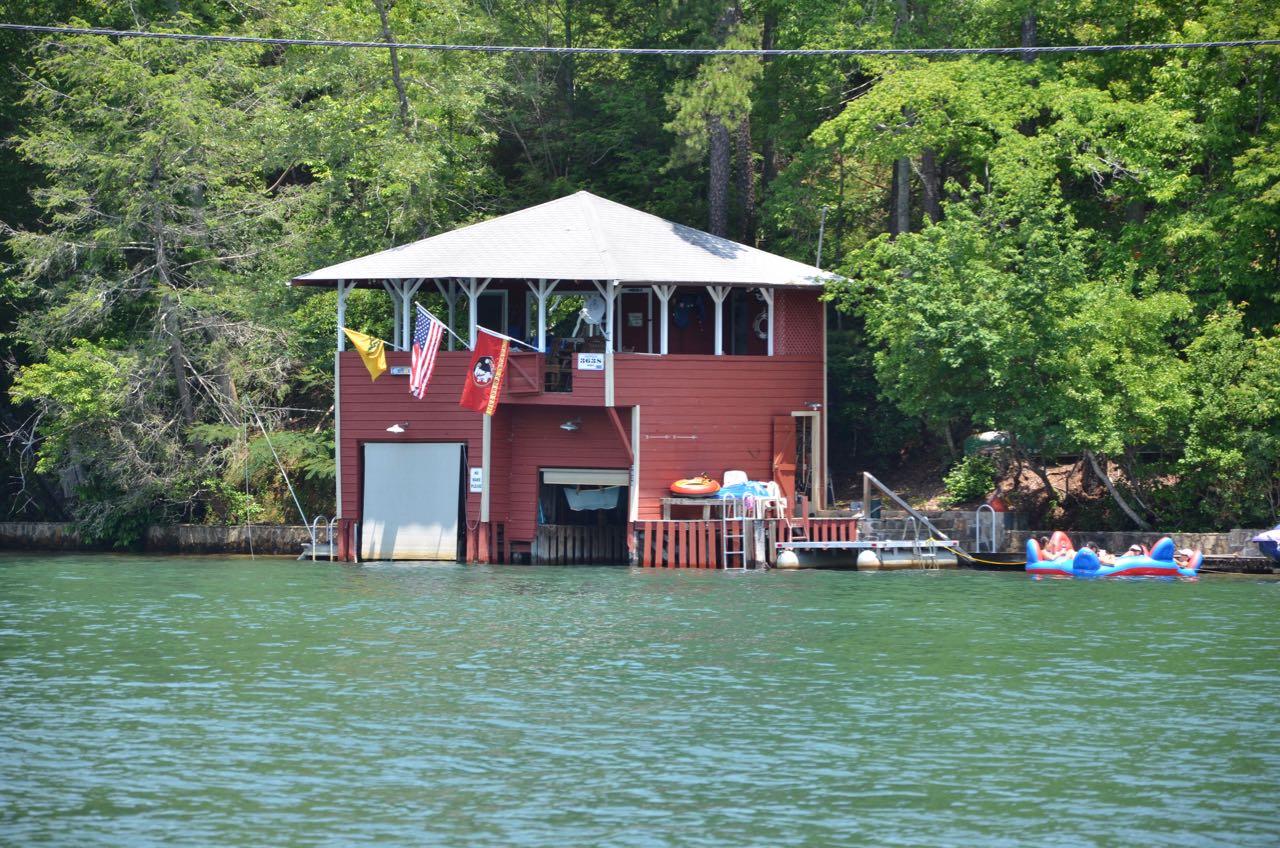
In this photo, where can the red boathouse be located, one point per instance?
(656, 352)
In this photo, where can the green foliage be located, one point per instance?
(720, 91)
(76, 393)
(1102, 276)
(1232, 456)
(228, 504)
(970, 479)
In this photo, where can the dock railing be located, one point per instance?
(870, 483)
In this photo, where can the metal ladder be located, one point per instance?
(328, 548)
(926, 553)
(977, 529)
(733, 544)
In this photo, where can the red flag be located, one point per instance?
(484, 377)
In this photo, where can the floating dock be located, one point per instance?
(873, 555)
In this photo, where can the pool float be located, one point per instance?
(1269, 543)
(1085, 563)
(695, 486)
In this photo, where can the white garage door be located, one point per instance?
(411, 496)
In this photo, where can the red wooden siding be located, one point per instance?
(709, 414)
(368, 408)
(532, 440)
(697, 414)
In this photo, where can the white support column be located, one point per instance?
(337, 434)
(542, 290)
(395, 290)
(718, 294)
(450, 295)
(407, 292)
(609, 291)
(824, 415)
(767, 294)
(634, 511)
(486, 451)
(344, 289)
(474, 289)
(664, 294)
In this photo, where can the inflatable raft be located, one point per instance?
(695, 486)
(1085, 563)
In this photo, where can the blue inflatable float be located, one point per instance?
(1269, 542)
(1085, 563)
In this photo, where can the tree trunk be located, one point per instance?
(1037, 468)
(177, 358)
(567, 69)
(951, 442)
(718, 181)
(746, 184)
(395, 64)
(901, 16)
(901, 203)
(1029, 35)
(769, 167)
(930, 185)
(1115, 495)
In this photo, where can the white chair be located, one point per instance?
(733, 478)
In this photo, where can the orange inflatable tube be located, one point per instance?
(695, 486)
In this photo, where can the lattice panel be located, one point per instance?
(799, 318)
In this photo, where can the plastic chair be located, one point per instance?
(733, 478)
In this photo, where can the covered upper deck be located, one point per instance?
(594, 249)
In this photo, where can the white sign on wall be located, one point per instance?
(591, 362)
(477, 479)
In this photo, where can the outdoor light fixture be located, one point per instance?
(814, 405)
(571, 424)
(398, 428)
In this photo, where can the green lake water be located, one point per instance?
(207, 702)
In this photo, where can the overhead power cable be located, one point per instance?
(644, 51)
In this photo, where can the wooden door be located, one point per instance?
(784, 455)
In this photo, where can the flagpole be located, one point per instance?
(450, 331)
(508, 338)
(447, 328)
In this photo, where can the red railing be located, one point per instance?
(699, 544)
(679, 544)
(821, 530)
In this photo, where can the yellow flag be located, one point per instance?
(372, 351)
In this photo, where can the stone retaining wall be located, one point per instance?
(1232, 543)
(258, 539)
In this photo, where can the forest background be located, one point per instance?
(1080, 252)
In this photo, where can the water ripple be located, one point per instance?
(180, 702)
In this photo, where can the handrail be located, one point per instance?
(314, 528)
(977, 528)
(868, 481)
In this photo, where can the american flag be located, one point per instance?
(426, 344)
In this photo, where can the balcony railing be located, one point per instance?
(531, 373)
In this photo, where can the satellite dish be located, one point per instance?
(593, 310)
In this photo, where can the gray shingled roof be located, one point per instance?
(579, 237)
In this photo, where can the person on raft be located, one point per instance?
(1104, 556)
